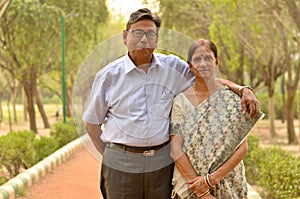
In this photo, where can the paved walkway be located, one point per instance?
(76, 178)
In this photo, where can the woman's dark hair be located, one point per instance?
(143, 13)
(199, 43)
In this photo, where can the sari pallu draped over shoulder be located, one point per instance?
(212, 131)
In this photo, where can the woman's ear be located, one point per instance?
(217, 62)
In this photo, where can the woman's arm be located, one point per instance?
(229, 164)
(182, 162)
(198, 185)
(185, 167)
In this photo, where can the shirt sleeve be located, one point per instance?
(97, 104)
(186, 78)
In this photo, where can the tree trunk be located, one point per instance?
(272, 116)
(29, 87)
(272, 113)
(30, 108)
(282, 86)
(41, 108)
(9, 113)
(13, 102)
(24, 102)
(292, 138)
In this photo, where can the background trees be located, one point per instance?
(31, 43)
(258, 42)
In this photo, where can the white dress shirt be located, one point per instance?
(136, 104)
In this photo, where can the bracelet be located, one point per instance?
(242, 87)
(204, 194)
(208, 181)
(205, 181)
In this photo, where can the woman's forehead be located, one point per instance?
(203, 50)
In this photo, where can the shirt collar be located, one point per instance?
(129, 65)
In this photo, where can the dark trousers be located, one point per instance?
(125, 175)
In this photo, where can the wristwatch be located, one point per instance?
(242, 87)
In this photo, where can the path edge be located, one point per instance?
(22, 181)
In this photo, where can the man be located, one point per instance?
(133, 96)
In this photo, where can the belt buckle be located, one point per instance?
(148, 153)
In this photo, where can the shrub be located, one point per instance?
(64, 133)
(21, 150)
(16, 152)
(275, 170)
(44, 146)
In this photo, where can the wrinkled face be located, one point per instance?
(141, 39)
(204, 64)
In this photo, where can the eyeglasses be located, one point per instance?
(138, 33)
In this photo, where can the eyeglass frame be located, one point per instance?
(144, 33)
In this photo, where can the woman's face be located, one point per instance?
(204, 64)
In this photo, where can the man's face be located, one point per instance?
(141, 39)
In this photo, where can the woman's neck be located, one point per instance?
(203, 89)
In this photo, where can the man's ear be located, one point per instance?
(125, 37)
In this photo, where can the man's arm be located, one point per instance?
(94, 131)
(249, 100)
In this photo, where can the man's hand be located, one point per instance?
(249, 102)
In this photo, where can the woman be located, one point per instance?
(208, 132)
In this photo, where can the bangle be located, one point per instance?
(204, 194)
(242, 87)
(208, 181)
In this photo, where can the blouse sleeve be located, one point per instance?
(176, 117)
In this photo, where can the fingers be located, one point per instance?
(249, 103)
(253, 108)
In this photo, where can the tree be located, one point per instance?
(26, 29)
(30, 39)
(293, 68)
(257, 41)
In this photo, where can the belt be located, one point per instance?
(146, 151)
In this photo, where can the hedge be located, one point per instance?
(273, 169)
(21, 150)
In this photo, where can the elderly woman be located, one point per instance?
(208, 133)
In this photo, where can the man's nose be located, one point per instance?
(144, 38)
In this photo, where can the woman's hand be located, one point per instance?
(249, 102)
(199, 187)
(209, 197)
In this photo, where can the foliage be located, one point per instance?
(279, 104)
(273, 169)
(44, 146)
(20, 150)
(64, 133)
(30, 43)
(17, 152)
